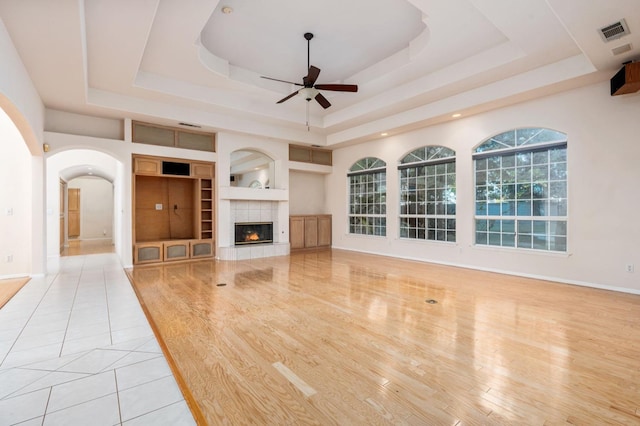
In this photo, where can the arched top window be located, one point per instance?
(367, 197)
(367, 164)
(521, 138)
(521, 190)
(428, 194)
(427, 154)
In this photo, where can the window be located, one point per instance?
(521, 190)
(428, 194)
(367, 197)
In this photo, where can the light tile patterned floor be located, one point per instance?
(76, 349)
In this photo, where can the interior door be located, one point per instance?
(73, 200)
(63, 187)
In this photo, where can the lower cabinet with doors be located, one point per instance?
(309, 231)
(167, 251)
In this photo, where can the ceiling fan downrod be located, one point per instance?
(308, 37)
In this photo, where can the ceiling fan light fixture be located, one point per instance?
(308, 93)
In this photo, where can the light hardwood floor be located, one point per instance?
(336, 337)
(82, 247)
(9, 287)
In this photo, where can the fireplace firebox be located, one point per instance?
(253, 233)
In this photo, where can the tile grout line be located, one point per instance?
(115, 376)
(106, 296)
(30, 316)
(73, 302)
(46, 406)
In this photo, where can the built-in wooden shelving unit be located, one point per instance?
(174, 209)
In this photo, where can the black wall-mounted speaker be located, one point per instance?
(177, 169)
(627, 80)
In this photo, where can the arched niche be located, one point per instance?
(252, 169)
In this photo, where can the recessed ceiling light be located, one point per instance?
(456, 115)
(384, 134)
(227, 10)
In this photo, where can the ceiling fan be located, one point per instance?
(310, 90)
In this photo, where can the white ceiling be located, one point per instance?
(416, 62)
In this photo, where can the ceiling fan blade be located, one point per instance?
(338, 87)
(281, 81)
(324, 103)
(311, 78)
(288, 97)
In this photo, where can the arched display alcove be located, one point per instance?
(252, 169)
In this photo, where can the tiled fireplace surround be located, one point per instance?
(254, 211)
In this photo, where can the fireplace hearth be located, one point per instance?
(253, 233)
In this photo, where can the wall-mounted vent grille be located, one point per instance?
(190, 125)
(621, 49)
(614, 31)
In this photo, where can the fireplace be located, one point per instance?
(253, 233)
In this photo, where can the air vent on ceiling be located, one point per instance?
(614, 31)
(621, 49)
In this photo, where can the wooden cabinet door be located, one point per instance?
(324, 231)
(202, 170)
(147, 166)
(63, 188)
(296, 232)
(73, 200)
(311, 231)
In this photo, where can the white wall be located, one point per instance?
(18, 96)
(245, 179)
(604, 199)
(21, 102)
(15, 201)
(96, 207)
(306, 193)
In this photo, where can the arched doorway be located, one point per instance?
(89, 169)
(87, 214)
